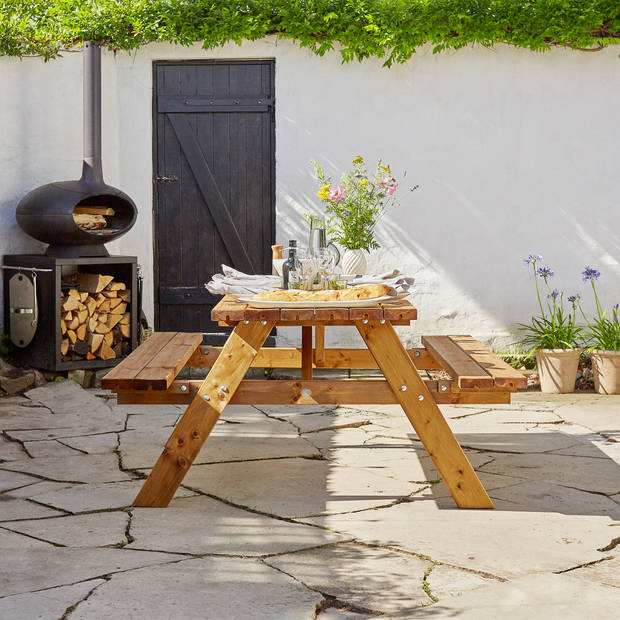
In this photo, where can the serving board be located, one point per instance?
(355, 303)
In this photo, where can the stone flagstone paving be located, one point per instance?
(318, 513)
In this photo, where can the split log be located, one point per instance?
(68, 316)
(125, 330)
(101, 328)
(126, 320)
(114, 301)
(102, 318)
(93, 210)
(92, 282)
(83, 297)
(82, 316)
(106, 353)
(81, 332)
(72, 336)
(63, 327)
(90, 222)
(81, 348)
(92, 324)
(110, 294)
(64, 346)
(75, 323)
(74, 293)
(91, 305)
(108, 339)
(113, 319)
(69, 304)
(117, 286)
(90, 356)
(94, 341)
(119, 309)
(125, 295)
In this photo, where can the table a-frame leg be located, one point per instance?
(194, 427)
(424, 415)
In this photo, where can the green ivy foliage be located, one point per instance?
(391, 30)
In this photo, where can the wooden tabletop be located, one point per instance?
(230, 310)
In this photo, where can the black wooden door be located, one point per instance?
(214, 182)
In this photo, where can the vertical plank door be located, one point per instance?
(213, 182)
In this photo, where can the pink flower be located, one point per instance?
(385, 182)
(336, 193)
(391, 189)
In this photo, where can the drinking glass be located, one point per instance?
(306, 265)
(325, 263)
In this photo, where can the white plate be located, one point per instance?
(316, 304)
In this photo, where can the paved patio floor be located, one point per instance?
(308, 512)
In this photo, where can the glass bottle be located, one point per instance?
(289, 264)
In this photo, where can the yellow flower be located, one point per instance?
(385, 168)
(358, 160)
(323, 193)
(364, 182)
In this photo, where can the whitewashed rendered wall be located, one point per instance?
(515, 152)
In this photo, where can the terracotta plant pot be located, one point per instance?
(353, 262)
(606, 371)
(557, 369)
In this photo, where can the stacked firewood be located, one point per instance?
(94, 318)
(92, 217)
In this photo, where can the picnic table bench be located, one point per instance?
(149, 375)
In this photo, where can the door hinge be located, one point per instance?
(170, 179)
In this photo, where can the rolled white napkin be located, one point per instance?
(233, 282)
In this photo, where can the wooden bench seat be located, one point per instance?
(471, 365)
(155, 364)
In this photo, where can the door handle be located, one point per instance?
(170, 179)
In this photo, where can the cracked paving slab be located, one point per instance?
(94, 444)
(37, 488)
(48, 604)
(298, 487)
(88, 497)
(90, 530)
(504, 543)
(11, 450)
(359, 575)
(587, 474)
(540, 496)
(204, 525)
(606, 572)
(12, 508)
(30, 569)
(250, 436)
(209, 588)
(534, 596)
(13, 480)
(79, 468)
(48, 448)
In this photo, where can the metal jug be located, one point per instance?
(318, 236)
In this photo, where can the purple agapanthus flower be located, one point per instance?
(412, 189)
(590, 274)
(575, 299)
(545, 272)
(554, 294)
(532, 259)
(345, 212)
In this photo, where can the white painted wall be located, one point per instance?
(515, 152)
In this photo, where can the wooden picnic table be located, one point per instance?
(149, 376)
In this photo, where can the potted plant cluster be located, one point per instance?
(603, 338)
(558, 341)
(354, 207)
(553, 336)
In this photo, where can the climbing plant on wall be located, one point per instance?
(388, 29)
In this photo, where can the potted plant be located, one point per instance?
(354, 207)
(553, 336)
(603, 338)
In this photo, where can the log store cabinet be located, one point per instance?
(149, 374)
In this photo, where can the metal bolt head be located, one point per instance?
(263, 322)
(246, 322)
(306, 392)
(416, 354)
(403, 388)
(183, 388)
(206, 397)
(364, 321)
(382, 321)
(223, 388)
(420, 397)
(443, 387)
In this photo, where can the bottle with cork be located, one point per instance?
(289, 264)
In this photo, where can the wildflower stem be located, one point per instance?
(538, 291)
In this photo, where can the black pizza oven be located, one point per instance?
(51, 213)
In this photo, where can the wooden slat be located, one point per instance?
(161, 371)
(399, 310)
(122, 376)
(297, 314)
(332, 358)
(319, 345)
(200, 417)
(306, 353)
(322, 392)
(464, 370)
(424, 415)
(503, 375)
(375, 313)
(261, 314)
(229, 309)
